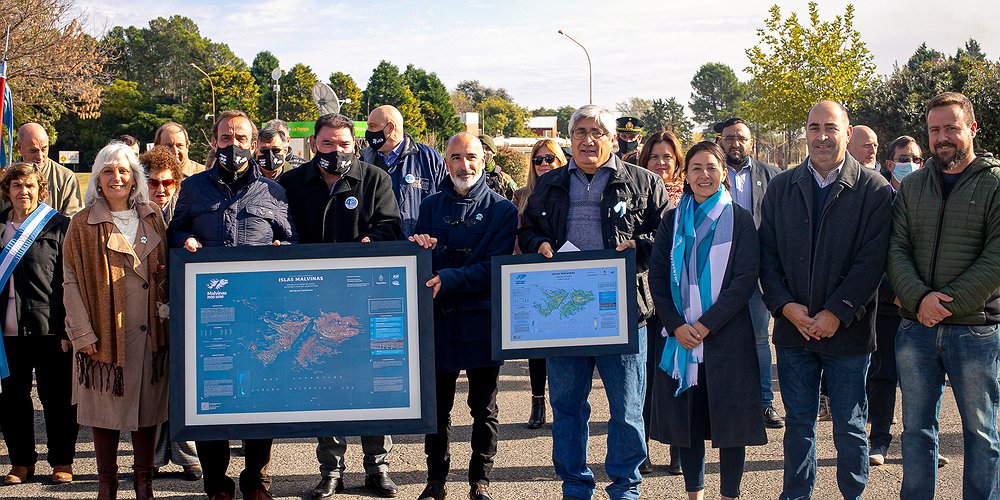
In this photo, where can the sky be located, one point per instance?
(637, 48)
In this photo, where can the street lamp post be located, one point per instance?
(211, 85)
(590, 68)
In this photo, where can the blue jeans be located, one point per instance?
(759, 317)
(800, 372)
(570, 381)
(968, 355)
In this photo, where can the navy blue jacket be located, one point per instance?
(470, 230)
(417, 173)
(256, 215)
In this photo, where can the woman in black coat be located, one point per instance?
(34, 330)
(707, 385)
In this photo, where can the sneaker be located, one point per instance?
(876, 455)
(942, 461)
(771, 418)
(824, 409)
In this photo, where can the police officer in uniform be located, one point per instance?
(629, 129)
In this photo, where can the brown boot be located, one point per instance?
(107, 487)
(143, 480)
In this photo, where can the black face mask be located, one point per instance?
(375, 139)
(334, 162)
(270, 161)
(627, 146)
(232, 158)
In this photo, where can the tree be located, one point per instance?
(634, 106)
(500, 115)
(344, 86)
(513, 163)
(461, 102)
(387, 86)
(295, 104)
(263, 64)
(562, 115)
(477, 92)
(717, 94)
(669, 114)
(794, 66)
(435, 103)
(233, 90)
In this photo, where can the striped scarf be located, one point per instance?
(703, 238)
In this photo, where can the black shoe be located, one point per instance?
(327, 487)
(193, 472)
(479, 492)
(381, 484)
(646, 467)
(674, 468)
(435, 490)
(771, 418)
(537, 418)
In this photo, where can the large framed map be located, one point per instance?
(301, 341)
(574, 304)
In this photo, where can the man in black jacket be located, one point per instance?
(335, 198)
(596, 202)
(824, 237)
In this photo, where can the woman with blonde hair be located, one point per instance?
(546, 155)
(115, 292)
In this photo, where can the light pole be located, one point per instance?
(211, 85)
(276, 75)
(590, 68)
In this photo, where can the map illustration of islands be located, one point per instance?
(568, 303)
(312, 340)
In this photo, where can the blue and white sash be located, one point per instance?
(15, 250)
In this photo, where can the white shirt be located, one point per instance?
(830, 178)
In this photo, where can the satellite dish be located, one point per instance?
(276, 74)
(325, 99)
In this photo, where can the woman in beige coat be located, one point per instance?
(115, 283)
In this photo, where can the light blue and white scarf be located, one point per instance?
(703, 238)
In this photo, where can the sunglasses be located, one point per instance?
(906, 159)
(155, 183)
(546, 159)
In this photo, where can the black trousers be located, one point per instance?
(536, 374)
(53, 371)
(214, 457)
(482, 403)
(882, 381)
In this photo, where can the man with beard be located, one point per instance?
(824, 235)
(175, 137)
(629, 130)
(864, 146)
(944, 265)
(466, 224)
(748, 180)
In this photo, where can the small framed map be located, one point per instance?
(574, 304)
(301, 341)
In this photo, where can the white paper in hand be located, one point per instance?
(568, 247)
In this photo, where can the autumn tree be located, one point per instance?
(795, 65)
(498, 115)
(344, 86)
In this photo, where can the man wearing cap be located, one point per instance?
(499, 181)
(629, 129)
(748, 180)
(335, 198)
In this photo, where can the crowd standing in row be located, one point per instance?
(869, 277)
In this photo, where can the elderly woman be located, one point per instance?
(546, 155)
(163, 173)
(703, 271)
(34, 332)
(115, 295)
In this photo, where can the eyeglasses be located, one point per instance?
(906, 159)
(155, 183)
(594, 133)
(734, 138)
(538, 160)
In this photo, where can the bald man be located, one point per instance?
(863, 146)
(64, 188)
(417, 171)
(466, 224)
(175, 137)
(822, 295)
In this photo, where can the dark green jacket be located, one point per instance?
(951, 246)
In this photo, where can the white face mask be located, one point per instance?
(901, 170)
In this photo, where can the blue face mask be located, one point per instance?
(901, 170)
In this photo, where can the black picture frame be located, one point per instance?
(626, 338)
(417, 416)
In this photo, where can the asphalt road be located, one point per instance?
(523, 468)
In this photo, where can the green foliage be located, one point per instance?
(669, 114)
(717, 94)
(233, 90)
(794, 66)
(500, 115)
(435, 103)
(295, 103)
(513, 164)
(263, 64)
(477, 92)
(344, 86)
(388, 86)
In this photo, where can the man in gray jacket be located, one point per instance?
(944, 265)
(824, 235)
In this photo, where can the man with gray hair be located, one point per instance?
(173, 136)
(64, 189)
(274, 156)
(596, 202)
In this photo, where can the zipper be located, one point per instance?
(937, 243)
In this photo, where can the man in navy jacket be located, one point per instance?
(466, 224)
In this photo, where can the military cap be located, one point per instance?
(628, 125)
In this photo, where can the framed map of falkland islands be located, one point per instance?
(301, 341)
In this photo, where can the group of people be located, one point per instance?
(845, 258)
